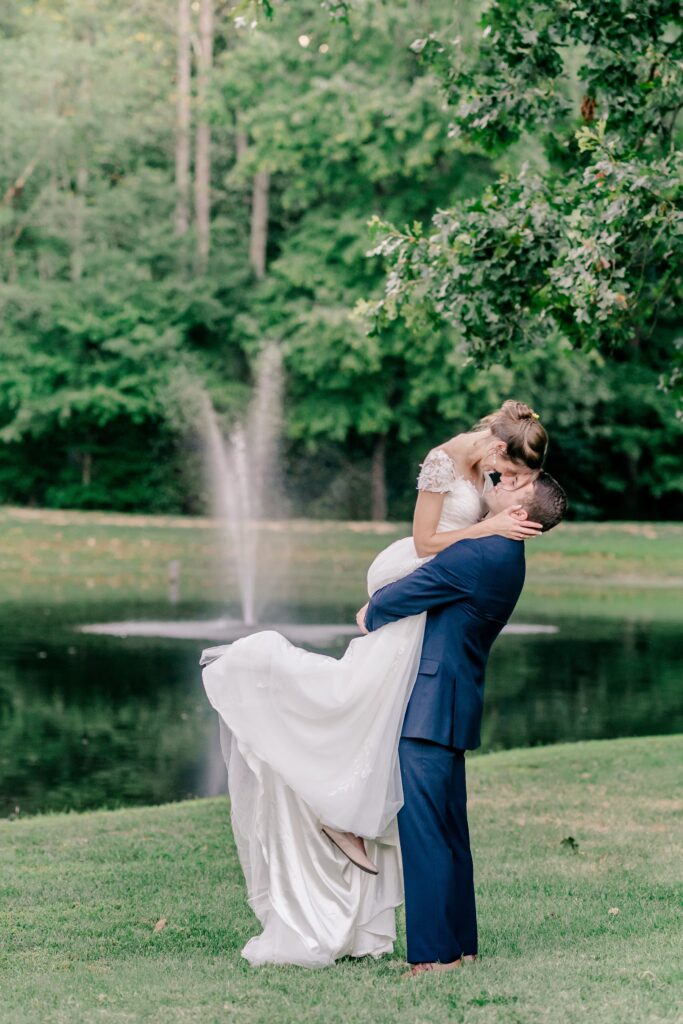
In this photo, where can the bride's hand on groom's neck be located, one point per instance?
(511, 522)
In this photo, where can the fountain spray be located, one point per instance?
(242, 469)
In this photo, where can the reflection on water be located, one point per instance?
(92, 721)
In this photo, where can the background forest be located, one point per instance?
(180, 185)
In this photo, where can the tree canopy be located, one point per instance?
(183, 182)
(585, 239)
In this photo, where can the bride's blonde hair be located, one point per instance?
(519, 427)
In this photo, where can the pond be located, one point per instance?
(101, 721)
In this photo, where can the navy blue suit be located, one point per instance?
(469, 591)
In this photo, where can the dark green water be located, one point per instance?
(90, 721)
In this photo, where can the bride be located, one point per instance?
(311, 741)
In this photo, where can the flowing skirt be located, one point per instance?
(311, 740)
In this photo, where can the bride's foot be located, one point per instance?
(353, 847)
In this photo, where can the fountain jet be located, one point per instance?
(242, 471)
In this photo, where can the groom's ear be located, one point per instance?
(520, 513)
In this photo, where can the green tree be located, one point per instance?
(588, 240)
(98, 310)
(112, 297)
(347, 124)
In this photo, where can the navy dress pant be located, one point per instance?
(441, 918)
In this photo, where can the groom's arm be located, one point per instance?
(450, 576)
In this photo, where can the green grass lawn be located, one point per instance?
(586, 935)
(587, 569)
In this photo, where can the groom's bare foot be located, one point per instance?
(470, 958)
(437, 967)
(353, 847)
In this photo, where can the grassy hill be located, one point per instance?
(587, 931)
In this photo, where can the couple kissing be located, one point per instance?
(347, 775)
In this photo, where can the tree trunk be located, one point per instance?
(202, 167)
(86, 469)
(259, 223)
(15, 188)
(182, 137)
(78, 224)
(78, 219)
(258, 242)
(241, 142)
(378, 479)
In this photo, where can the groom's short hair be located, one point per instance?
(548, 502)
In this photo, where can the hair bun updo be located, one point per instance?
(519, 427)
(517, 410)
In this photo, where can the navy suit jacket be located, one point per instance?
(469, 591)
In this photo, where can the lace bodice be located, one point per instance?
(463, 505)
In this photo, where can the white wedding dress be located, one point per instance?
(311, 740)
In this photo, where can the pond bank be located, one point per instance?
(93, 721)
(52, 556)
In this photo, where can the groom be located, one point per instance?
(469, 591)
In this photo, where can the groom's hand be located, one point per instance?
(360, 618)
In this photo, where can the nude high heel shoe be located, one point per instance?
(352, 847)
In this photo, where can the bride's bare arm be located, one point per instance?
(426, 519)
(436, 477)
(428, 512)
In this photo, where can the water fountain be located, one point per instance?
(242, 471)
(243, 478)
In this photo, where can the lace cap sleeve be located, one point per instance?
(437, 473)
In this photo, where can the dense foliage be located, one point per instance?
(582, 244)
(592, 243)
(548, 271)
